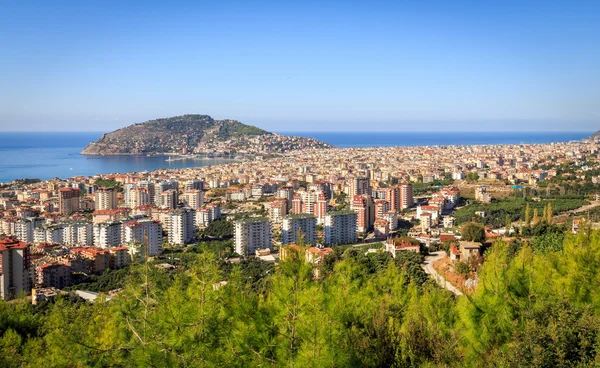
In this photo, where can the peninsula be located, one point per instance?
(196, 134)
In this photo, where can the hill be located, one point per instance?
(191, 134)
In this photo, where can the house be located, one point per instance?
(469, 250)
(395, 245)
(454, 253)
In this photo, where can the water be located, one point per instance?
(387, 139)
(47, 155)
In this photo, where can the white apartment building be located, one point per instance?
(293, 224)
(252, 233)
(78, 233)
(340, 227)
(108, 234)
(105, 199)
(147, 232)
(181, 226)
(194, 198)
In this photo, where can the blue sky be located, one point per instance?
(302, 65)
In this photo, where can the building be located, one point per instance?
(406, 196)
(277, 210)
(482, 195)
(392, 218)
(78, 233)
(293, 224)
(381, 228)
(395, 245)
(119, 257)
(14, 268)
(108, 234)
(286, 193)
(105, 199)
(365, 209)
(193, 198)
(68, 200)
(181, 226)
(252, 233)
(340, 227)
(469, 250)
(55, 275)
(137, 197)
(145, 232)
(359, 186)
(392, 195)
(89, 260)
(168, 199)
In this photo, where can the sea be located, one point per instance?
(47, 155)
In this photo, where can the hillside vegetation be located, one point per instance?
(532, 308)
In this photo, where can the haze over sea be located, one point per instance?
(46, 155)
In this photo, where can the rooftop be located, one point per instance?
(251, 220)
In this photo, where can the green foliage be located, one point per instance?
(462, 268)
(220, 228)
(107, 183)
(533, 306)
(496, 212)
(109, 280)
(472, 231)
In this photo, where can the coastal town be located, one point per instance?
(55, 233)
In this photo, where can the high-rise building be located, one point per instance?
(145, 232)
(193, 184)
(108, 234)
(359, 186)
(287, 193)
(392, 195)
(24, 228)
(78, 233)
(278, 210)
(150, 187)
(340, 227)
(293, 224)
(365, 209)
(406, 196)
(181, 226)
(320, 208)
(381, 206)
(68, 200)
(194, 198)
(105, 199)
(138, 197)
(168, 199)
(252, 233)
(14, 268)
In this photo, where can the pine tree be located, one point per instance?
(508, 225)
(528, 215)
(549, 215)
(535, 216)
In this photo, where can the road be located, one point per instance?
(429, 260)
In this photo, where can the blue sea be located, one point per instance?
(46, 155)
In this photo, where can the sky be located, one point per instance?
(302, 65)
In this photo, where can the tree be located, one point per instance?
(508, 225)
(528, 215)
(550, 214)
(535, 216)
(472, 231)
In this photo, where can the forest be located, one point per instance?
(533, 307)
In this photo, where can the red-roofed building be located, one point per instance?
(57, 275)
(14, 267)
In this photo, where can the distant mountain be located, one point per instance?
(595, 135)
(193, 133)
